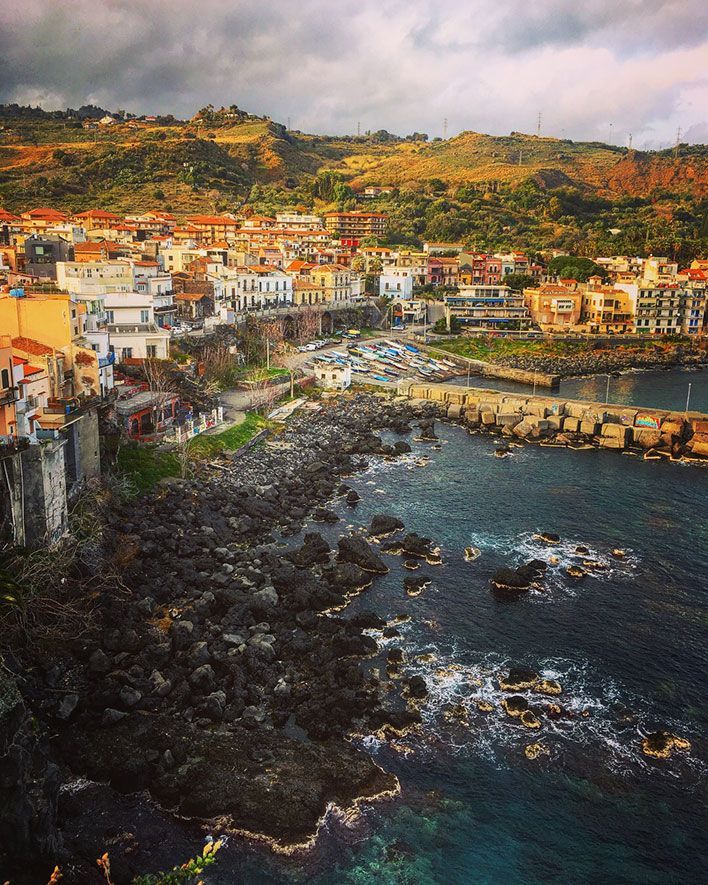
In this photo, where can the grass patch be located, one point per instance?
(145, 465)
(228, 440)
(498, 349)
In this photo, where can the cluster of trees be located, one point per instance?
(573, 267)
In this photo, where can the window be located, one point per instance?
(144, 316)
(109, 316)
(127, 353)
(151, 350)
(5, 378)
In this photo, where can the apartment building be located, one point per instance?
(607, 309)
(658, 310)
(356, 226)
(487, 309)
(133, 332)
(554, 307)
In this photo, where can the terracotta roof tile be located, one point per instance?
(29, 345)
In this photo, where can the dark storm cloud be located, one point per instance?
(391, 64)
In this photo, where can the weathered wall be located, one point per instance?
(88, 445)
(46, 515)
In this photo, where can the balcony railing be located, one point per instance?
(8, 395)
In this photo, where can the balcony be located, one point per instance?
(8, 395)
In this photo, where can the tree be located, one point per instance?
(519, 281)
(574, 267)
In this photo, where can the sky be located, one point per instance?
(593, 69)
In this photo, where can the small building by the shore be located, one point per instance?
(333, 376)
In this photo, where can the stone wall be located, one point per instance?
(537, 418)
(44, 483)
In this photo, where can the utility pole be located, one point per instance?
(445, 128)
(678, 142)
(538, 125)
(289, 124)
(268, 353)
(688, 398)
(607, 390)
(630, 141)
(358, 129)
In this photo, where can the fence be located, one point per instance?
(180, 433)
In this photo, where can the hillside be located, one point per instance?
(532, 192)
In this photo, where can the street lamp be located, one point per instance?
(607, 390)
(688, 398)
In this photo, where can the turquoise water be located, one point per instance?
(474, 809)
(662, 390)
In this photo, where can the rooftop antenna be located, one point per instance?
(538, 125)
(445, 128)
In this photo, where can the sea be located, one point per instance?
(676, 389)
(628, 645)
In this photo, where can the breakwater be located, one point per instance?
(658, 433)
(496, 370)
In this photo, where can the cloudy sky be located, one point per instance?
(590, 67)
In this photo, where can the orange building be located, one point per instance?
(553, 306)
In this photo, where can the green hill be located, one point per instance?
(489, 191)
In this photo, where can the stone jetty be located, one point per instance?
(658, 433)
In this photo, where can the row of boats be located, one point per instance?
(390, 360)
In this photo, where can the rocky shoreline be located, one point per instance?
(222, 675)
(603, 361)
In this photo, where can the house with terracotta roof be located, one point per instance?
(101, 250)
(194, 305)
(92, 218)
(211, 228)
(34, 392)
(554, 307)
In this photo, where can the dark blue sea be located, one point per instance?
(628, 645)
(663, 389)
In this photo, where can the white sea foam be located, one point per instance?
(591, 728)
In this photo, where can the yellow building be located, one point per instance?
(51, 328)
(606, 309)
(320, 283)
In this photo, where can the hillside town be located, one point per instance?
(88, 301)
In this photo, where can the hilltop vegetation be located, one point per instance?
(516, 191)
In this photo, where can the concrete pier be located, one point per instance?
(492, 370)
